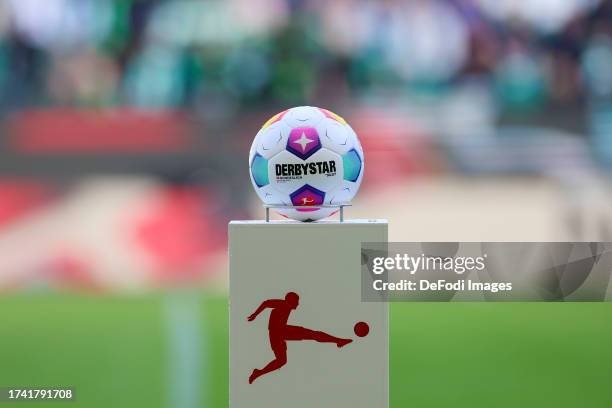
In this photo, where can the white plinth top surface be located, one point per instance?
(317, 223)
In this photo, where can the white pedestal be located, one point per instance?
(321, 262)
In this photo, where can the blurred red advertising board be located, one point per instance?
(97, 131)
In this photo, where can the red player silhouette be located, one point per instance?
(280, 332)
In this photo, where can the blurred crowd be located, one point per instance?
(168, 94)
(158, 54)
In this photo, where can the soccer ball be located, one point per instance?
(306, 157)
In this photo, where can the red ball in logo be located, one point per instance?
(361, 329)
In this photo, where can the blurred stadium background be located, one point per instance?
(124, 131)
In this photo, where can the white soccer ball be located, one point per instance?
(306, 157)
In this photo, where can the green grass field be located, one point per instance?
(113, 351)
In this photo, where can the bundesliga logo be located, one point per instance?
(299, 169)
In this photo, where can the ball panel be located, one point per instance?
(351, 163)
(335, 117)
(272, 140)
(259, 170)
(269, 195)
(356, 142)
(274, 119)
(303, 142)
(335, 136)
(307, 195)
(343, 194)
(303, 116)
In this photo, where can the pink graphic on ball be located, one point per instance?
(306, 196)
(303, 142)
